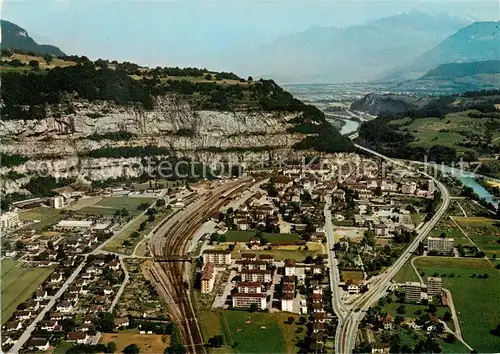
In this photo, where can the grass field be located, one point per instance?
(260, 332)
(46, 216)
(447, 226)
(108, 206)
(406, 273)
(281, 253)
(475, 299)
(244, 236)
(352, 275)
(116, 245)
(446, 131)
(147, 343)
(18, 284)
(484, 232)
(62, 347)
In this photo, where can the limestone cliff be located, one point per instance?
(63, 142)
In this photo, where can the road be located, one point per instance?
(337, 304)
(122, 287)
(346, 333)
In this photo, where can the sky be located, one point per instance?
(200, 33)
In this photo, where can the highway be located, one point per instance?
(346, 332)
(172, 279)
(338, 306)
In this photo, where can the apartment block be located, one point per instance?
(412, 291)
(217, 257)
(434, 285)
(440, 244)
(257, 275)
(245, 300)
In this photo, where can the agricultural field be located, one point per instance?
(18, 284)
(246, 332)
(147, 343)
(473, 297)
(484, 232)
(138, 298)
(280, 252)
(46, 217)
(446, 131)
(108, 206)
(128, 239)
(351, 275)
(245, 236)
(450, 229)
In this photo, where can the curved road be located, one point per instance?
(346, 332)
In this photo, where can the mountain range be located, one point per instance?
(15, 37)
(356, 53)
(476, 42)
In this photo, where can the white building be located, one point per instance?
(434, 285)
(412, 291)
(440, 244)
(289, 268)
(56, 202)
(431, 187)
(246, 300)
(217, 257)
(9, 220)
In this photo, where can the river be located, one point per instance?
(349, 127)
(469, 179)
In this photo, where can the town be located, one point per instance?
(84, 255)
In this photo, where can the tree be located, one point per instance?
(48, 58)
(151, 218)
(208, 77)
(291, 320)
(105, 322)
(432, 308)
(401, 309)
(111, 347)
(34, 64)
(399, 319)
(250, 79)
(160, 202)
(447, 316)
(131, 349)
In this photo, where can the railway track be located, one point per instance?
(173, 278)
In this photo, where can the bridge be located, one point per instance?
(174, 258)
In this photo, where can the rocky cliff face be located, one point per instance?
(376, 104)
(61, 143)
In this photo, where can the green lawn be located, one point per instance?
(475, 299)
(244, 236)
(116, 245)
(260, 332)
(46, 216)
(447, 226)
(108, 206)
(406, 273)
(281, 254)
(18, 285)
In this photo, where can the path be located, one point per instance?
(463, 211)
(122, 287)
(416, 270)
(456, 322)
